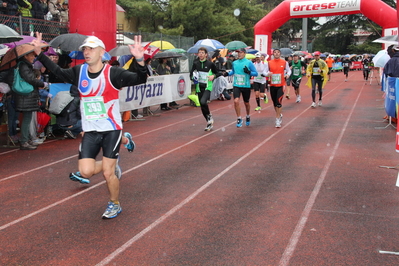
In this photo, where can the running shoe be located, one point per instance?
(247, 121)
(265, 100)
(313, 105)
(112, 210)
(278, 122)
(130, 145)
(258, 108)
(320, 103)
(210, 119)
(209, 124)
(78, 178)
(208, 127)
(298, 99)
(69, 135)
(239, 122)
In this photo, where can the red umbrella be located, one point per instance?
(42, 120)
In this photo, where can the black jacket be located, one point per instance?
(391, 68)
(204, 66)
(29, 102)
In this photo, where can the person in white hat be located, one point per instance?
(99, 86)
(259, 84)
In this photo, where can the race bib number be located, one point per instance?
(366, 66)
(259, 77)
(316, 71)
(296, 72)
(346, 64)
(240, 79)
(94, 108)
(203, 77)
(276, 79)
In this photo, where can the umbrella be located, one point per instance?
(68, 42)
(381, 58)
(167, 54)
(252, 51)
(249, 56)
(234, 45)
(163, 45)
(125, 49)
(300, 53)
(24, 39)
(211, 43)
(79, 55)
(50, 51)
(42, 120)
(286, 52)
(9, 60)
(390, 39)
(8, 35)
(194, 49)
(177, 50)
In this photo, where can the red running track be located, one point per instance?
(309, 193)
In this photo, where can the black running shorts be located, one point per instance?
(246, 93)
(259, 87)
(277, 95)
(108, 141)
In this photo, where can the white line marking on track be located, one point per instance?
(170, 212)
(290, 248)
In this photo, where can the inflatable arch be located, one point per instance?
(375, 10)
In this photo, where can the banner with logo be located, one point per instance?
(157, 90)
(390, 93)
(299, 8)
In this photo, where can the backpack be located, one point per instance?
(60, 101)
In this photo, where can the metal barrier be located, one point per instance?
(26, 26)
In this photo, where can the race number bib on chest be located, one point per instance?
(316, 71)
(276, 79)
(94, 108)
(297, 72)
(240, 79)
(203, 77)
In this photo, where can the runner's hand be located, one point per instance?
(137, 50)
(37, 43)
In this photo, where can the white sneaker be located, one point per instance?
(278, 123)
(298, 99)
(313, 105)
(209, 124)
(320, 103)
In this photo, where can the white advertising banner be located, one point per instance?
(261, 43)
(323, 7)
(157, 90)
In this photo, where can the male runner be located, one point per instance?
(298, 68)
(259, 84)
(99, 86)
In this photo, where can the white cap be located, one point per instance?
(93, 42)
(257, 54)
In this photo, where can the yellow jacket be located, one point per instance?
(309, 70)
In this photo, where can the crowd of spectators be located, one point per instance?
(54, 10)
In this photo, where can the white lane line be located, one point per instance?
(290, 248)
(38, 168)
(130, 242)
(98, 184)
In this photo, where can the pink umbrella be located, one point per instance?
(25, 39)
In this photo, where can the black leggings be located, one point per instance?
(319, 83)
(204, 96)
(366, 73)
